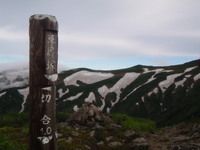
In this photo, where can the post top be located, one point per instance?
(44, 16)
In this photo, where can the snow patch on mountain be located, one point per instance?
(180, 83)
(159, 70)
(155, 90)
(103, 91)
(149, 80)
(24, 93)
(196, 77)
(86, 77)
(131, 92)
(90, 98)
(188, 75)
(189, 69)
(73, 97)
(103, 104)
(142, 99)
(146, 70)
(166, 83)
(118, 87)
(2, 94)
(121, 84)
(61, 93)
(108, 110)
(75, 108)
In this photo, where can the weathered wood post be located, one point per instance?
(43, 32)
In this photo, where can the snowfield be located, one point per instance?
(25, 93)
(161, 79)
(155, 90)
(190, 69)
(73, 97)
(90, 98)
(197, 77)
(180, 83)
(86, 77)
(61, 93)
(169, 81)
(127, 79)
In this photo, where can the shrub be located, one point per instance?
(10, 139)
(62, 117)
(137, 124)
(14, 120)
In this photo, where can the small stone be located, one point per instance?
(196, 128)
(59, 135)
(62, 139)
(109, 138)
(115, 126)
(130, 134)
(139, 143)
(97, 126)
(100, 143)
(92, 134)
(69, 140)
(114, 144)
(87, 147)
(75, 134)
(195, 135)
(90, 113)
(97, 117)
(179, 139)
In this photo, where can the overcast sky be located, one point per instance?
(106, 34)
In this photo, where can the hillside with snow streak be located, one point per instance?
(141, 91)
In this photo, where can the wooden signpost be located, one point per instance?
(43, 32)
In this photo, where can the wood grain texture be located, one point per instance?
(42, 91)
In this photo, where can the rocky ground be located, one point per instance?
(90, 129)
(177, 137)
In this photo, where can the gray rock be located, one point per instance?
(130, 134)
(69, 140)
(184, 147)
(139, 144)
(92, 134)
(196, 128)
(88, 114)
(75, 133)
(100, 143)
(195, 135)
(59, 135)
(97, 126)
(87, 147)
(180, 138)
(115, 144)
(109, 138)
(115, 126)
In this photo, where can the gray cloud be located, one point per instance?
(106, 29)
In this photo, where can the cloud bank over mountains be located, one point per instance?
(111, 29)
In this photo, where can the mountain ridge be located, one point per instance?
(143, 91)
